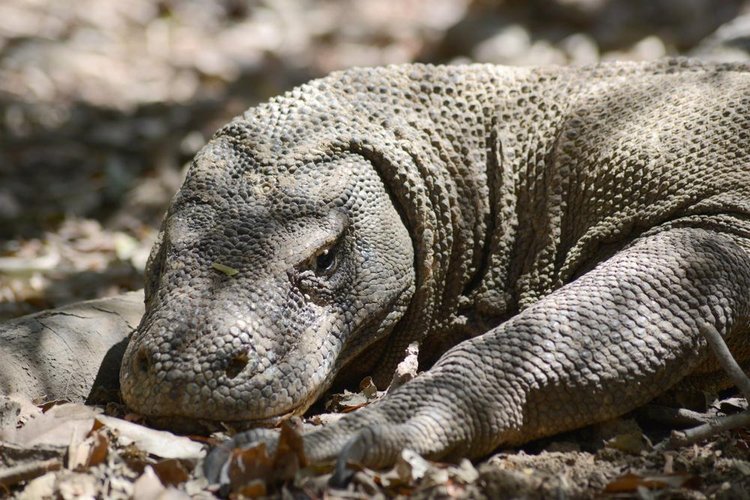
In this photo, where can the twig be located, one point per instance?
(716, 425)
(740, 379)
(673, 416)
(24, 472)
(725, 358)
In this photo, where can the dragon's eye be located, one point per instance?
(325, 261)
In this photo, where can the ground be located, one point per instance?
(71, 450)
(102, 104)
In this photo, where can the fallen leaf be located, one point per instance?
(120, 487)
(743, 466)
(195, 487)
(630, 442)
(411, 467)
(346, 402)
(171, 472)
(97, 425)
(229, 271)
(125, 246)
(25, 266)
(368, 388)
(134, 457)
(365, 482)
(668, 463)
(465, 472)
(248, 465)
(45, 406)
(435, 476)
(326, 418)
(392, 481)
(76, 485)
(60, 426)
(78, 453)
(158, 443)
(41, 487)
(406, 369)
(254, 489)
(91, 451)
(290, 450)
(733, 405)
(16, 409)
(253, 472)
(631, 482)
(148, 486)
(99, 451)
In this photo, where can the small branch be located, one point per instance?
(674, 416)
(24, 472)
(690, 436)
(725, 358)
(740, 379)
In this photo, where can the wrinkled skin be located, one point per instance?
(330, 268)
(558, 238)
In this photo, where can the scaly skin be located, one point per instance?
(557, 237)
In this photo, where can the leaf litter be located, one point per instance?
(70, 450)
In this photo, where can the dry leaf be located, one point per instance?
(368, 388)
(406, 369)
(349, 401)
(733, 405)
(41, 487)
(89, 452)
(248, 465)
(325, 418)
(411, 467)
(134, 457)
(159, 443)
(346, 402)
(14, 409)
(98, 453)
(77, 485)
(631, 482)
(78, 453)
(148, 486)
(630, 442)
(465, 472)
(60, 426)
(229, 271)
(253, 489)
(668, 463)
(252, 471)
(290, 450)
(47, 405)
(171, 472)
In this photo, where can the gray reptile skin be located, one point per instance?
(556, 237)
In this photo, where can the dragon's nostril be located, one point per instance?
(236, 364)
(143, 360)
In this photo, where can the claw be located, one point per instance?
(216, 464)
(352, 452)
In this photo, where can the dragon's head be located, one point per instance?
(271, 272)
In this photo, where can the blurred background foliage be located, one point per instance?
(103, 103)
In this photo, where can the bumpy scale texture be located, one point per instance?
(555, 238)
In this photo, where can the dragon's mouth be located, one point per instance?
(192, 394)
(197, 424)
(186, 425)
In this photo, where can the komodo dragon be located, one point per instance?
(556, 238)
